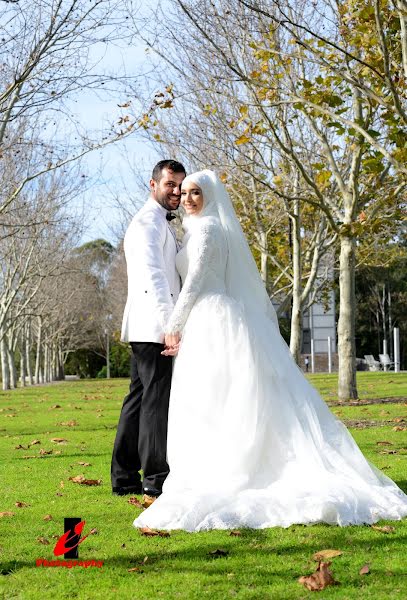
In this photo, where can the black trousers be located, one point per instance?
(141, 438)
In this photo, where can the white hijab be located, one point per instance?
(243, 281)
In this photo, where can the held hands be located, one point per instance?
(172, 343)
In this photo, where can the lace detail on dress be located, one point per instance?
(205, 248)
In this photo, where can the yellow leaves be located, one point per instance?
(278, 180)
(255, 74)
(166, 104)
(244, 109)
(144, 121)
(243, 139)
(323, 178)
(209, 110)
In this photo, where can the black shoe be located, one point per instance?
(125, 491)
(151, 491)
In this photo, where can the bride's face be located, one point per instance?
(191, 198)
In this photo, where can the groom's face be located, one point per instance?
(167, 191)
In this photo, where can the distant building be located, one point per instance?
(319, 323)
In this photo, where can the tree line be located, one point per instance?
(300, 106)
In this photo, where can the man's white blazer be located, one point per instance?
(150, 248)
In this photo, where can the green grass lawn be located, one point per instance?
(262, 564)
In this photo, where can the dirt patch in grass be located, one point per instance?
(365, 401)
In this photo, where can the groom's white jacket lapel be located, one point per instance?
(153, 282)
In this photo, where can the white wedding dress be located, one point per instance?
(250, 441)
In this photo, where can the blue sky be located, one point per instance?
(108, 170)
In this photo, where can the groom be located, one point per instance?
(153, 286)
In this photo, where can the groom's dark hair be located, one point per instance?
(171, 165)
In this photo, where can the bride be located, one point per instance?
(250, 441)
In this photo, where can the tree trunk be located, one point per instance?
(403, 31)
(346, 325)
(46, 364)
(27, 350)
(38, 374)
(23, 370)
(12, 368)
(296, 311)
(5, 373)
(61, 372)
(263, 256)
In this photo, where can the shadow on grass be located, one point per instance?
(65, 455)
(402, 485)
(191, 553)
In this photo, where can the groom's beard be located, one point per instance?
(169, 203)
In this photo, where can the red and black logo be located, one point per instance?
(67, 545)
(69, 542)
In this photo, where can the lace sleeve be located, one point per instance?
(202, 246)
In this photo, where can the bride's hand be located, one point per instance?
(172, 342)
(173, 351)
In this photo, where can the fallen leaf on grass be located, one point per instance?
(81, 480)
(34, 442)
(319, 580)
(135, 502)
(384, 528)
(235, 533)
(44, 452)
(6, 513)
(20, 447)
(324, 554)
(93, 531)
(59, 440)
(388, 452)
(364, 570)
(43, 540)
(399, 420)
(56, 406)
(29, 457)
(91, 482)
(135, 570)
(84, 464)
(69, 423)
(384, 443)
(21, 504)
(147, 532)
(47, 518)
(10, 416)
(218, 552)
(77, 479)
(398, 428)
